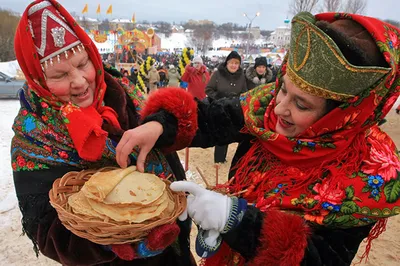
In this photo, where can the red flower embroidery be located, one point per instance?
(30, 165)
(63, 154)
(47, 148)
(387, 57)
(125, 81)
(24, 112)
(44, 105)
(389, 103)
(14, 166)
(21, 161)
(44, 118)
(382, 161)
(349, 121)
(395, 40)
(332, 194)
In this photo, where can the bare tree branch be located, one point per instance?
(297, 6)
(331, 6)
(356, 6)
(202, 38)
(8, 25)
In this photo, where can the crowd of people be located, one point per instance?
(313, 174)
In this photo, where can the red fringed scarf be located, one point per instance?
(342, 171)
(84, 124)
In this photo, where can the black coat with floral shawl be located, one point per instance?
(42, 152)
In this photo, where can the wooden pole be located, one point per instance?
(186, 159)
(216, 174)
(203, 177)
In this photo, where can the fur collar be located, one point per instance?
(251, 73)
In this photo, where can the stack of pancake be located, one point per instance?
(123, 195)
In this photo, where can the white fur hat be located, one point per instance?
(197, 59)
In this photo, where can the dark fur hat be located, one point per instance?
(354, 41)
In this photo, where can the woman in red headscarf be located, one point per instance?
(314, 172)
(73, 114)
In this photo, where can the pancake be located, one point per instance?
(80, 205)
(131, 213)
(101, 184)
(136, 188)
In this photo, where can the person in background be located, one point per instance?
(153, 78)
(173, 77)
(259, 74)
(73, 114)
(197, 78)
(163, 72)
(228, 81)
(133, 76)
(111, 59)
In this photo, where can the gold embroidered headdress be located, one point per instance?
(317, 66)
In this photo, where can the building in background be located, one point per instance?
(281, 36)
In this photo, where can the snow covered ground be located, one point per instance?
(15, 249)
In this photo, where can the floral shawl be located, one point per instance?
(42, 140)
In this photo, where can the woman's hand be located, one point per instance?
(208, 209)
(144, 136)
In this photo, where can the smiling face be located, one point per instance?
(296, 110)
(233, 65)
(261, 70)
(73, 79)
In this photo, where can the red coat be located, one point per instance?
(197, 80)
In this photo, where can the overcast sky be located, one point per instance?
(273, 12)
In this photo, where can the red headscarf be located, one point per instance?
(84, 124)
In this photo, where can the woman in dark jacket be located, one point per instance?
(259, 74)
(227, 81)
(72, 116)
(310, 159)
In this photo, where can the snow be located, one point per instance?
(15, 249)
(175, 40)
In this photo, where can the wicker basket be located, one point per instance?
(104, 232)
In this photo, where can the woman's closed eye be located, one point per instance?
(58, 76)
(83, 64)
(301, 106)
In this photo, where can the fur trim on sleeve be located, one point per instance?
(283, 240)
(182, 105)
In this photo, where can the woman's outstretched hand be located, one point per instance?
(207, 208)
(145, 137)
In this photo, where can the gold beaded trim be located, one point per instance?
(314, 90)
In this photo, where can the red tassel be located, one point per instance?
(162, 236)
(376, 231)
